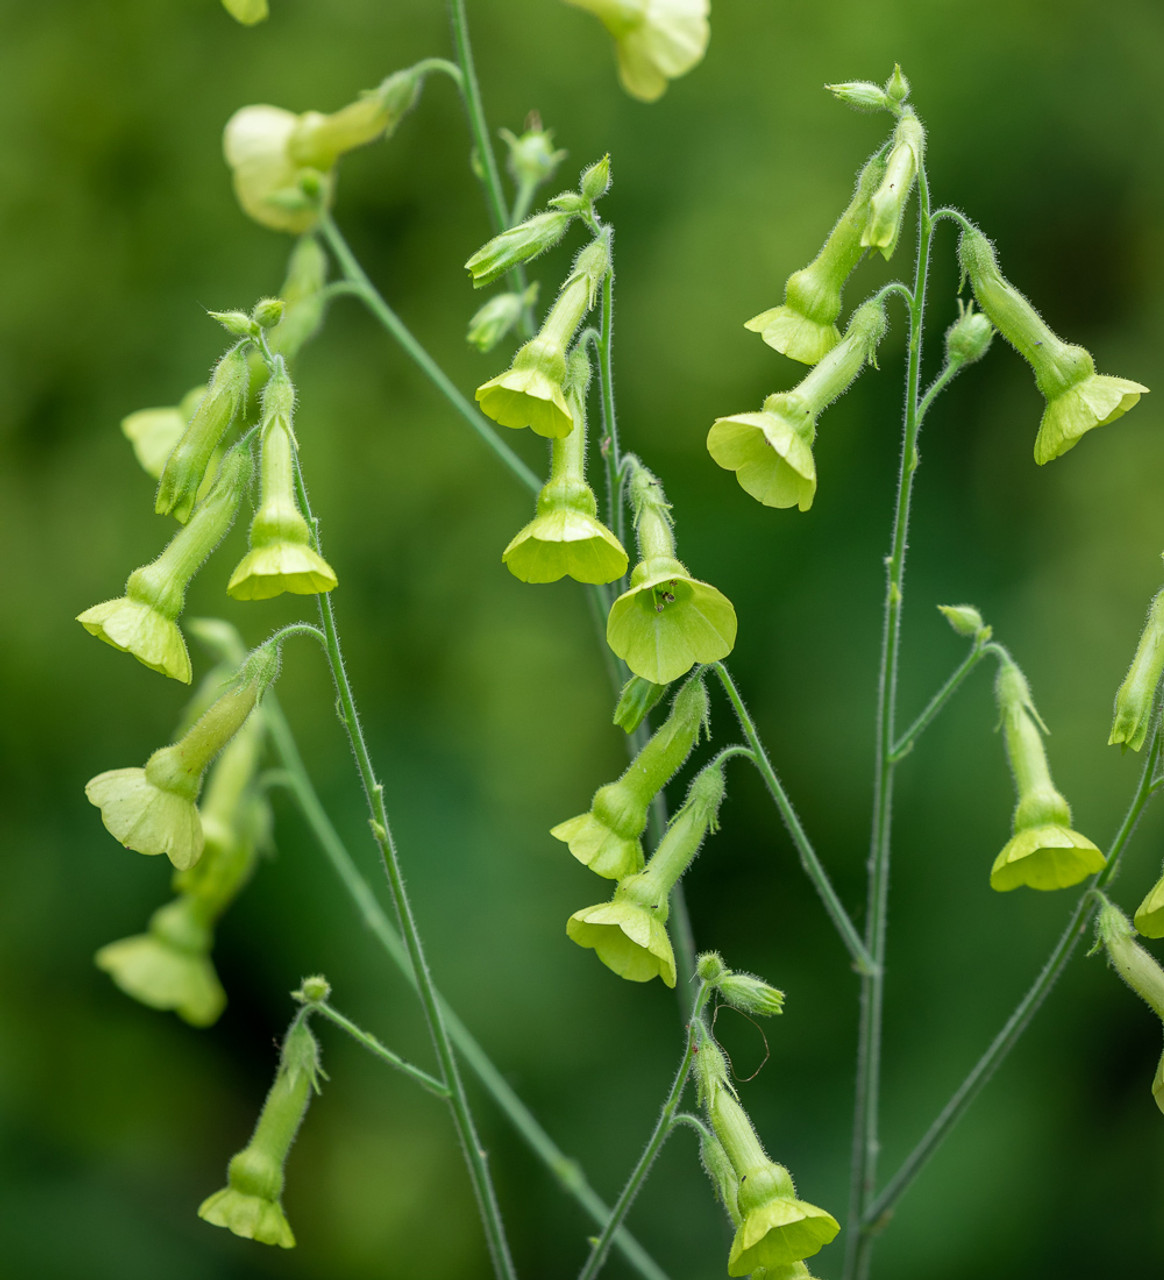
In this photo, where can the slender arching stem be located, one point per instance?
(491, 175)
(866, 1136)
(422, 1078)
(659, 1135)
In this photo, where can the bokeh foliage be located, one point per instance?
(486, 700)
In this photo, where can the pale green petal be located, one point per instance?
(526, 398)
(248, 1216)
(771, 459)
(596, 846)
(565, 542)
(794, 334)
(627, 938)
(1093, 402)
(1045, 857)
(134, 627)
(661, 644)
(1150, 913)
(146, 818)
(277, 567)
(780, 1232)
(165, 977)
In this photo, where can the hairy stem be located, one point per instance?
(422, 1078)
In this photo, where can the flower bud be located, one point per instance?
(154, 433)
(750, 995)
(144, 621)
(969, 337)
(519, 244)
(887, 204)
(1044, 852)
(248, 12)
(595, 182)
(281, 557)
(314, 990)
(250, 1204)
(1078, 398)
(1150, 913)
(1137, 967)
(861, 94)
(497, 318)
(719, 1169)
(569, 202)
(187, 464)
(236, 323)
(712, 1076)
(532, 157)
(655, 40)
(267, 312)
(1136, 698)
(897, 86)
(635, 702)
(966, 620)
(607, 838)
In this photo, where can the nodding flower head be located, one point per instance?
(629, 934)
(770, 451)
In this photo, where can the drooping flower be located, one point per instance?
(250, 1204)
(566, 537)
(655, 40)
(169, 966)
(144, 621)
(281, 557)
(530, 393)
(270, 150)
(1044, 852)
(607, 838)
(804, 327)
(771, 451)
(1078, 398)
(153, 810)
(629, 934)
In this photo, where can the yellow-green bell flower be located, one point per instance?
(804, 328)
(144, 620)
(281, 557)
(269, 150)
(1078, 398)
(1044, 852)
(169, 967)
(1136, 698)
(153, 810)
(250, 1204)
(771, 451)
(1138, 968)
(629, 934)
(530, 393)
(607, 838)
(566, 538)
(655, 40)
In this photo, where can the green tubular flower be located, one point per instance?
(188, 462)
(530, 392)
(281, 557)
(628, 934)
(655, 40)
(1137, 967)
(1136, 697)
(1078, 398)
(269, 149)
(1044, 852)
(804, 328)
(771, 451)
(169, 967)
(887, 204)
(607, 839)
(154, 432)
(516, 245)
(144, 621)
(566, 537)
(250, 1205)
(153, 810)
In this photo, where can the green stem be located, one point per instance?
(1016, 1024)
(567, 1171)
(662, 1131)
(611, 452)
(862, 959)
(491, 175)
(866, 1140)
(366, 291)
(904, 745)
(939, 384)
(422, 1078)
(474, 1153)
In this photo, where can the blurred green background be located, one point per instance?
(486, 700)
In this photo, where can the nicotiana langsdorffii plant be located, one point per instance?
(201, 799)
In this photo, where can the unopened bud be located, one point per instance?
(313, 990)
(861, 94)
(897, 86)
(235, 322)
(965, 619)
(517, 245)
(267, 312)
(750, 995)
(497, 318)
(532, 157)
(635, 702)
(595, 181)
(969, 337)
